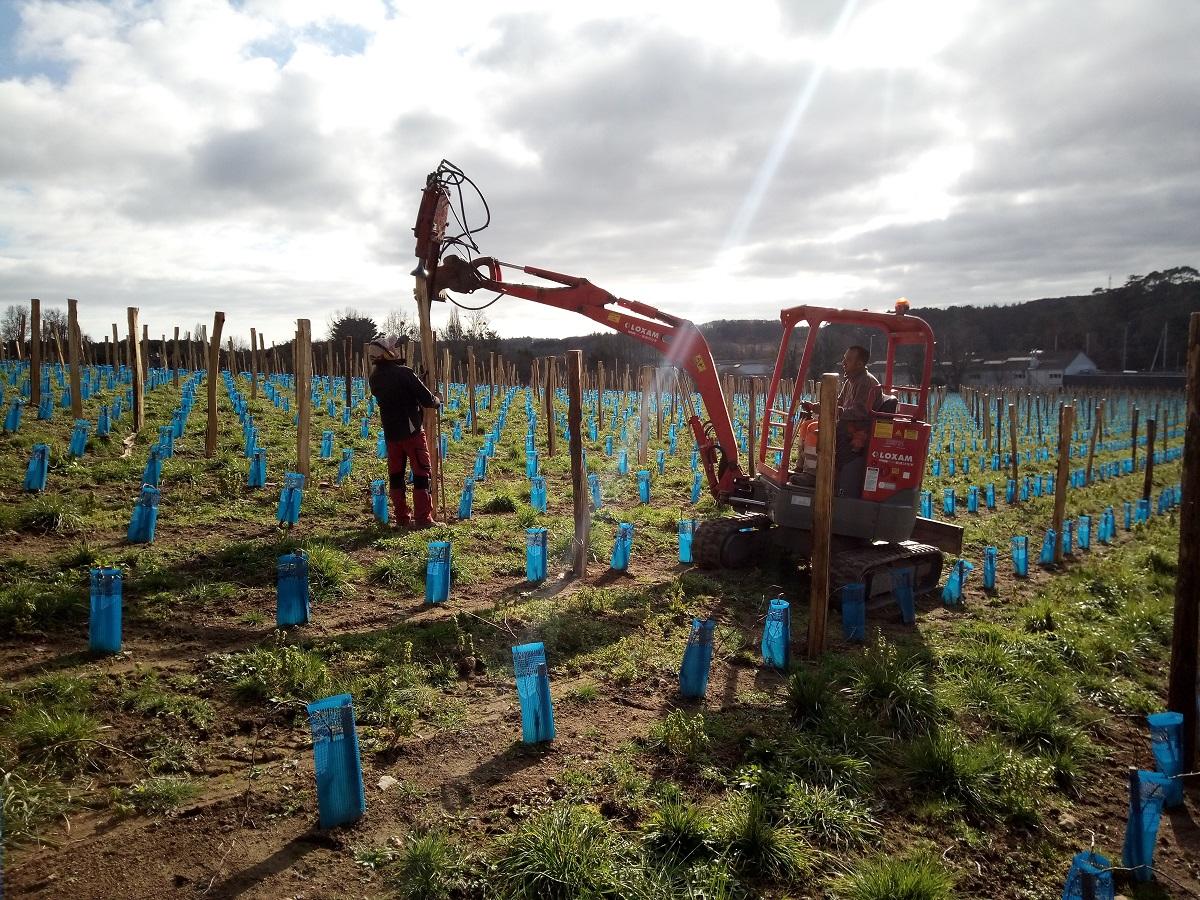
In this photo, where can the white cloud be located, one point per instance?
(266, 157)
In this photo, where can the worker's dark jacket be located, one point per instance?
(401, 396)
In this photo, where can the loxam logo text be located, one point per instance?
(903, 458)
(638, 329)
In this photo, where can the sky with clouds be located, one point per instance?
(265, 157)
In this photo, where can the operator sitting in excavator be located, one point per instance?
(858, 398)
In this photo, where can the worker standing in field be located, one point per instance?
(403, 399)
(858, 398)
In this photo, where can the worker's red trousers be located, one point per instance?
(399, 454)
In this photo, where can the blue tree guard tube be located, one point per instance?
(622, 546)
(467, 499)
(345, 466)
(364, 429)
(104, 621)
(533, 689)
(1024, 489)
(290, 498)
(696, 488)
(1010, 491)
(937, 468)
(1147, 792)
(777, 635)
(1128, 515)
(79, 438)
(1047, 556)
(643, 486)
(38, 468)
(1166, 742)
(327, 444)
(697, 659)
(902, 590)
(854, 613)
(990, 555)
(948, 500)
(1085, 532)
(166, 440)
(379, 500)
(256, 476)
(1089, 878)
(989, 495)
(437, 572)
(695, 460)
(380, 446)
(535, 555)
(686, 530)
(660, 458)
(594, 488)
(152, 473)
(46, 407)
(537, 493)
(623, 462)
(1020, 556)
(340, 797)
(1068, 537)
(972, 499)
(952, 592)
(926, 504)
(292, 594)
(12, 420)
(531, 463)
(608, 445)
(481, 466)
(145, 516)
(1143, 511)
(104, 422)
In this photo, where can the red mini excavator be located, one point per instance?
(875, 531)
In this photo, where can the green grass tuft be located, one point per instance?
(919, 876)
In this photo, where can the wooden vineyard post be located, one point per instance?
(116, 339)
(644, 416)
(1012, 438)
(73, 356)
(253, 364)
(446, 373)
(471, 390)
(548, 400)
(303, 366)
(987, 422)
(133, 360)
(822, 518)
(579, 485)
(1148, 483)
(1097, 418)
(752, 460)
(1133, 431)
(62, 361)
(429, 359)
(1185, 635)
(214, 368)
(35, 352)
(230, 359)
(1066, 421)
(348, 353)
(175, 360)
(262, 354)
(145, 353)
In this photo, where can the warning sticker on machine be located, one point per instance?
(872, 480)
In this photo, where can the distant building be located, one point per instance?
(1039, 369)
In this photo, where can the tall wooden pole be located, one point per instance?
(134, 361)
(1133, 437)
(644, 415)
(35, 352)
(348, 350)
(822, 517)
(579, 485)
(1097, 418)
(1012, 436)
(145, 353)
(752, 462)
(117, 348)
(1182, 691)
(1148, 483)
(303, 355)
(73, 353)
(429, 358)
(548, 401)
(214, 366)
(175, 360)
(471, 391)
(253, 364)
(1066, 421)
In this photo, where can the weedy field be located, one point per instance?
(971, 754)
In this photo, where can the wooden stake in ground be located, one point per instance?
(35, 352)
(73, 353)
(1185, 635)
(145, 353)
(751, 424)
(134, 361)
(1066, 421)
(1012, 436)
(175, 360)
(1148, 483)
(348, 350)
(303, 365)
(579, 485)
(116, 348)
(1133, 437)
(471, 390)
(822, 518)
(548, 400)
(1097, 418)
(643, 446)
(214, 366)
(253, 364)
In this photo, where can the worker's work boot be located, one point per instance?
(423, 508)
(400, 505)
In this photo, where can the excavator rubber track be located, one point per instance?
(873, 566)
(733, 542)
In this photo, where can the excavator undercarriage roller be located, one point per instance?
(735, 542)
